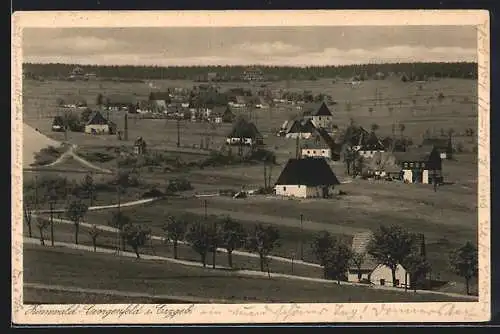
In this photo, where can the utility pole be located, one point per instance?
(178, 133)
(51, 222)
(125, 127)
(301, 238)
(205, 205)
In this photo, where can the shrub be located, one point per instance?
(179, 184)
(153, 193)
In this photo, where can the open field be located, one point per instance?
(448, 217)
(96, 271)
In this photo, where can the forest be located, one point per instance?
(412, 71)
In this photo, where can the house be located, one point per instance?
(369, 270)
(58, 124)
(222, 114)
(139, 146)
(252, 74)
(300, 129)
(306, 178)
(443, 145)
(262, 103)
(244, 133)
(420, 165)
(320, 145)
(320, 115)
(98, 124)
(116, 102)
(368, 144)
(383, 164)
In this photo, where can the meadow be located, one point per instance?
(63, 267)
(448, 217)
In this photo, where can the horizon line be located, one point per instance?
(255, 65)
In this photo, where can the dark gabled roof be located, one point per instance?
(370, 142)
(416, 154)
(316, 109)
(301, 126)
(96, 118)
(120, 99)
(159, 96)
(221, 111)
(244, 129)
(309, 172)
(442, 144)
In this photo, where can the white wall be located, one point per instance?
(408, 175)
(322, 121)
(248, 141)
(368, 154)
(317, 152)
(104, 128)
(384, 272)
(443, 155)
(294, 135)
(425, 176)
(300, 191)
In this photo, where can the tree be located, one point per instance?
(390, 245)
(402, 129)
(119, 220)
(136, 237)
(75, 211)
(99, 100)
(321, 246)
(337, 260)
(175, 230)
(28, 212)
(417, 267)
(88, 187)
(262, 240)
(42, 225)
(357, 260)
(232, 236)
(198, 236)
(464, 262)
(94, 232)
(214, 236)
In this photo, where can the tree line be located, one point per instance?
(231, 73)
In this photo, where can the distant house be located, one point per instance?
(320, 114)
(370, 271)
(420, 165)
(58, 124)
(244, 133)
(139, 146)
(252, 74)
(222, 114)
(369, 144)
(116, 102)
(98, 124)
(300, 129)
(306, 178)
(443, 145)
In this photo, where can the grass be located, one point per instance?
(65, 233)
(65, 267)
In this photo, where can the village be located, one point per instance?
(251, 153)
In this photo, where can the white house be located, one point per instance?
(316, 153)
(306, 178)
(420, 165)
(245, 133)
(369, 145)
(97, 124)
(320, 115)
(320, 145)
(369, 270)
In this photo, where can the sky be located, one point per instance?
(286, 46)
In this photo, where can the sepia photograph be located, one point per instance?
(310, 169)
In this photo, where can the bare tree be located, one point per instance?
(42, 225)
(94, 232)
(75, 211)
(175, 230)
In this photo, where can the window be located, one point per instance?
(284, 188)
(412, 164)
(382, 281)
(397, 282)
(423, 164)
(406, 165)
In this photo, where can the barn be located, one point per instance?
(306, 178)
